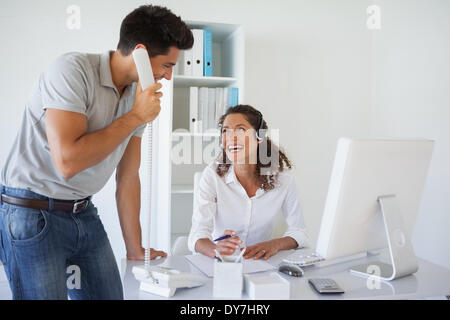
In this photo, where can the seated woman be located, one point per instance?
(241, 193)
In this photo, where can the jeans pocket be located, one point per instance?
(2, 249)
(2, 240)
(26, 225)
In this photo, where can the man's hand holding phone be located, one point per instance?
(147, 103)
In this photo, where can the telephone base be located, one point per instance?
(164, 282)
(156, 289)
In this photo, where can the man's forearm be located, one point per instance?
(92, 148)
(128, 206)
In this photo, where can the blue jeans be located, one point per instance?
(55, 254)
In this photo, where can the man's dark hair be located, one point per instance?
(155, 27)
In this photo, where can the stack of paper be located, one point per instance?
(206, 264)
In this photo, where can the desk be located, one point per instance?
(430, 281)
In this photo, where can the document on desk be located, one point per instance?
(206, 264)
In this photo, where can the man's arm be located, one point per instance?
(128, 198)
(74, 150)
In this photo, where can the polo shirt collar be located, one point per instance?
(106, 76)
(105, 70)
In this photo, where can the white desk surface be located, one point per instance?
(430, 281)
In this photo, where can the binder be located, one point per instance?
(197, 53)
(186, 70)
(219, 105)
(234, 97)
(211, 108)
(207, 53)
(178, 68)
(203, 108)
(226, 95)
(193, 110)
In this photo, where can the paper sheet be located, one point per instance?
(206, 264)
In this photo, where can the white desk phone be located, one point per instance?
(165, 282)
(157, 280)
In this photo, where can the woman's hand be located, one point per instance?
(228, 246)
(262, 250)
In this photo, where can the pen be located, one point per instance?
(223, 237)
(240, 255)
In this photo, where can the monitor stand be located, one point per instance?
(403, 260)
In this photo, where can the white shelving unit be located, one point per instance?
(172, 181)
(182, 188)
(190, 134)
(189, 81)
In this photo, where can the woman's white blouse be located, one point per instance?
(222, 204)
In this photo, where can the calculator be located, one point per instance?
(325, 285)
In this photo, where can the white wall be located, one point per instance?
(312, 68)
(412, 99)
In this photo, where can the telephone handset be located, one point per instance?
(143, 67)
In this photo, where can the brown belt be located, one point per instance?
(74, 207)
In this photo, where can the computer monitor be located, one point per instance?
(373, 199)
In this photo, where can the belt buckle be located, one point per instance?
(79, 205)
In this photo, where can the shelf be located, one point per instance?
(190, 134)
(182, 188)
(190, 81)
(221, 31)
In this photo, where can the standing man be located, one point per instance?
(84, 119)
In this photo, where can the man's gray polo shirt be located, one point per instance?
(77, 82)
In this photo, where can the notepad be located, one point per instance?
(206, 264)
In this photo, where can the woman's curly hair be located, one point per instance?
(264, 181)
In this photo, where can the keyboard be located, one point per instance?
(303, 259)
